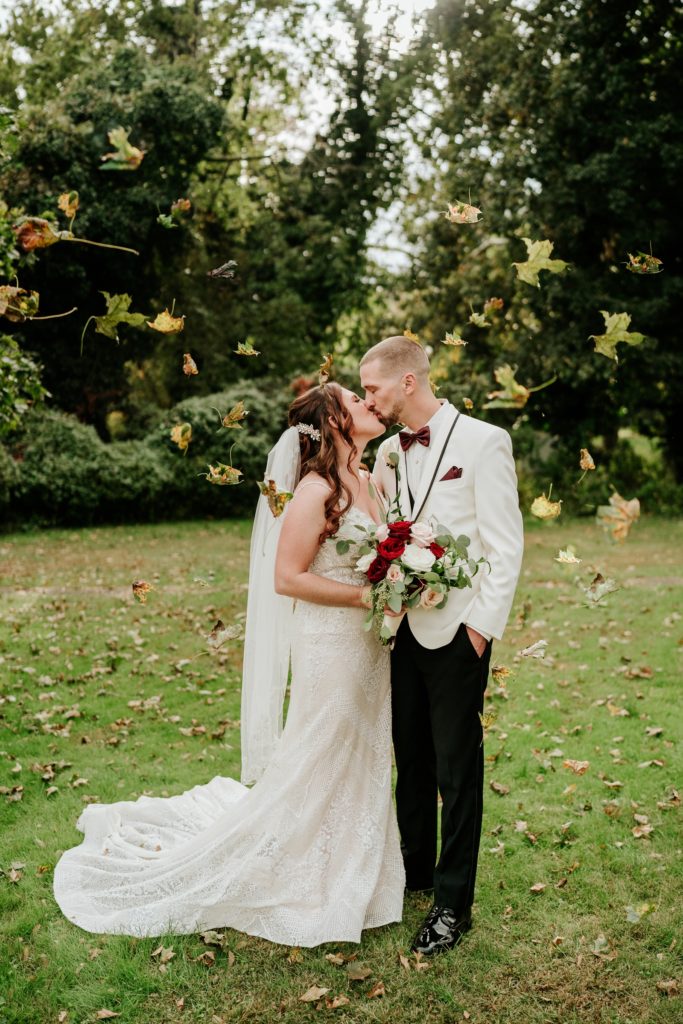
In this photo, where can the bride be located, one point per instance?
(310, 853)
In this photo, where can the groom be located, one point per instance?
(458, 472)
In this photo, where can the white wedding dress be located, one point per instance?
(309, 855)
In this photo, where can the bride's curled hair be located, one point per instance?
(315, 407)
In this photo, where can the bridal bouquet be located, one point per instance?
(409, 564)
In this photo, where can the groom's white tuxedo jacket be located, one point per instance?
(482, 502)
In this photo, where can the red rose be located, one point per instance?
(436, 549)
(377, 570)
(401, 528)
(392, 547)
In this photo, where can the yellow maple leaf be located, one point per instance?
(167, 324)
(462, 213)
(586, 461)
(140, 590)
(246, 348)
(542, 508)
(407, 333)
(231, 420)
(223, 475)
(538, 259)
(277, 500)
(68, 203)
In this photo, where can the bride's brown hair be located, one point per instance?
(315, 407)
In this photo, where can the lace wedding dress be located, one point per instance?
(309, 855)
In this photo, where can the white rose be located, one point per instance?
(382, 532)
(418, 559)
(430, 598)
(365, 561)
(422, 534)
(395, 574)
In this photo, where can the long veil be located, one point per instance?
(269, 621)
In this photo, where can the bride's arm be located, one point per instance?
(297, 547)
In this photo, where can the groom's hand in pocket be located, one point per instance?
(477, 640)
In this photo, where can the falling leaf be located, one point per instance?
(619, 516)
(500, 674)
(325, 369)
(223, 475)
(377, 991)
(225, 271)
(221, 633)
(616, 330)
(634, 914)
(493, 305)
(599, 588)
(567, 556)
(578, 767)
(536, 650)
(543, 508)
(35, 233)
(454, 339)
(246, 349)
(512, 394)
(231, 420)
(644, 263)
(468, 403)
(538, 259)
(124, 157)
(189, 365)
(478, 319)
(462, 213)
(487, 719)
(68, 204)
(140, 590)
(277, 500)
(313, 994)
(586, 461)
(181, 435)
(18, 304)
(499, 788)
(117, 313)
(537, 888)
(167, 324)
(178, 208)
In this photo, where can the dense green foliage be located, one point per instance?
(558, 121)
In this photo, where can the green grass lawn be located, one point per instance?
(105, 699)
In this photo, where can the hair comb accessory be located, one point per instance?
(306, 428)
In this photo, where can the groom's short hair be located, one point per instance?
(398, 355)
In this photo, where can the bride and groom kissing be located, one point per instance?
(314, 851)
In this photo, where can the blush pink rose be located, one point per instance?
(395, 574)
(430, 598)
(382, 532)
(421, 534)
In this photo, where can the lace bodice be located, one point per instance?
(341, 567)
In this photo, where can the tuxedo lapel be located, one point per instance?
(404, 496)
(435, 453)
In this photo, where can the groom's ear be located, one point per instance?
(408, 383)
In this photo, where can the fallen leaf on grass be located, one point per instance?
(106, 1014)
(376, 991)
(634, 914)
(336, 1001)
(669, 986)
(339, 959)
(313, 994)
(356, 972)
(601, 949)
(537, 888)
(578, 767)
(163, 954)
(499, 788)
(140, 590)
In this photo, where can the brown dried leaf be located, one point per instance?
(140, 590)
(578, 767)
(313, 994)
(189, 365)
(377, 991)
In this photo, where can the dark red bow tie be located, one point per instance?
(406, 439)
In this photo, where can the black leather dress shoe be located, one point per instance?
(443, 929)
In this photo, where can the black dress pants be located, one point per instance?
(437, 696)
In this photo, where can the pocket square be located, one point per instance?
(454, 473)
